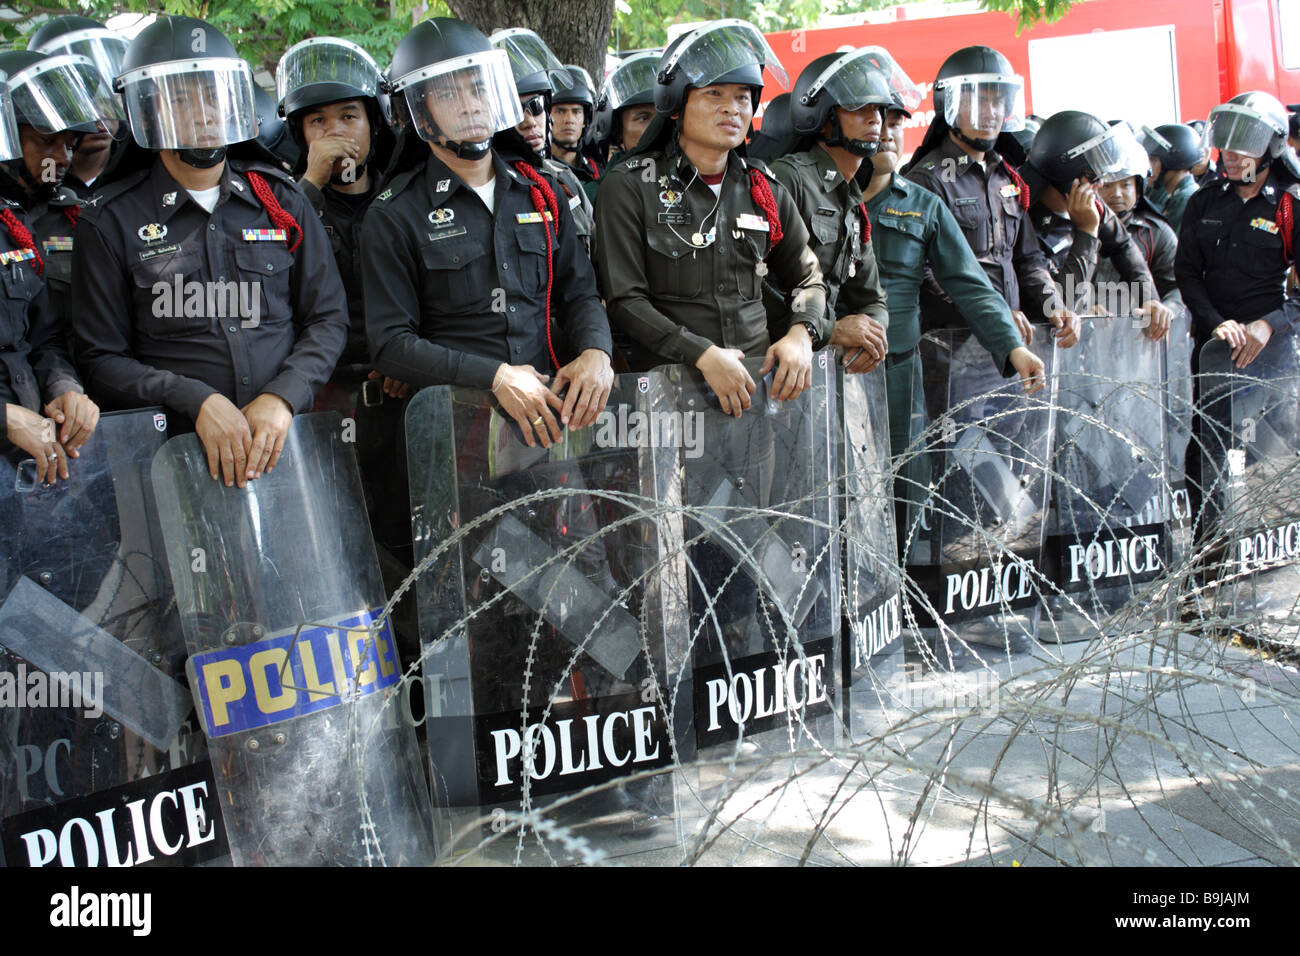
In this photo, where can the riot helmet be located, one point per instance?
(56, 92)
(578, 90)
(535, 68)
(10, 145)
(272, 131)
(1073, 145)
(776, 137)
(187, 89)
(456, 87)
(82, 36)
(724, 51)
(867, 76)
(974, 87)
(323, 70)
(1175, 145)
(1252, 124)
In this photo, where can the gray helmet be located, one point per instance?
(1253, 124)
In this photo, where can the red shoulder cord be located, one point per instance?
(279, 217)
(1285, 221)
(1020, 184)
(866, 224)
(21, 237)
(72, 213)
(761, 193)
(595, 170)
(544, 201)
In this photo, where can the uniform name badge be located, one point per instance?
(1009, 190)
(747, 220)
(266, 235)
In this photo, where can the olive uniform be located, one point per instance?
(584, 213)
(139, 345)
(1174, 205)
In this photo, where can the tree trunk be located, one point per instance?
(577, 30)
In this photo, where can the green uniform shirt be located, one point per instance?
(911, 228)
(1171, 205)
(674, 292)
(831, 208)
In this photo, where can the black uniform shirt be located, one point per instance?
(997, 228)
(1230, 263)
(453, 291)
(1073, 255)
(153, 274)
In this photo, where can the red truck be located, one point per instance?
(1156, 61)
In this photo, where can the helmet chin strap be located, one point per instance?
(465, 150)
(858, 147)
(983, 145)
(202, 158)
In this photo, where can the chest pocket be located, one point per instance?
(972, 217)
(268, 265)
(457, 272)
(900, 244)
(21, 281)
(530, 241)
(161, 314)
(674, 270)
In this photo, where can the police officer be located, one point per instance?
(205, 282)
(105, 48)
(1156, 240)
(624, 110)
(1071, 155)
(573, 107)
(979, 97)
(1237, 242)
(836, 106)
(687, 229)
(776, 136)
(1173, 150)
(470, 257)
(536, 70)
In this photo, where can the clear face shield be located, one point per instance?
(190, 104)
(1236, 129)
(65, 92)
(719, 48)
(1114, 154)
(868, 75)
(634, 75)
(326, 60)
(529, 54)
(101, 46)
(990, 103)
(466, 99)
(10, 146)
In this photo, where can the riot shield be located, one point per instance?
(1259, 521)
(1178, 429)
(871, 599)
(972, 550)
(295, 676)
(96, 730)
(547, 608)
(1111, 500)
(763, 566)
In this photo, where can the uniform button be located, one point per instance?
(455, 258)
(221, 278)
(674, 253)
(269, 267)
(512, 308)
(234, 328)
(244, 380)
(505, 266)
(212, 226)
(517, 349)
(721, 287)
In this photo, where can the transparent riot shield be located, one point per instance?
(548, 606)
(1257, 486)
(1179, 415)
(295, 675)
(763, 569)
(96, 726)
(1109, 542)
(871, 599)
(973, 547)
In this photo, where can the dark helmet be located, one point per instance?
(11, 146)
(971, 69)
(323, 70)
(1025, 137)
(776, 137)
(1176, 145)
(84, 37)
(579, 90)
(535, 68)
(184, 60)
(57, 92)
(273, 131)
(430, 59)
(724, 51)
(1073, 145)
(632, 83)
(867, 76)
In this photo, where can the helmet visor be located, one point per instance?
(1238, 130)
(102, 47)
(1152, 141)
(63, 92)
(10, 146)
(851, 82)
(991, 103)
(719, 48)
(529, 55)
(326, 60)
(635, 75)
(191, 104)
(1114, 154)
(466, 99)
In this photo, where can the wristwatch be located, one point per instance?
(814, 333)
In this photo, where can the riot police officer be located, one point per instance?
(205, 281)
(1071, 155)
(1124, 193)
(469, 257)
(34, 365)
(537, 70)
(776, 136)
(624, 110)
(1173, 150)
(684, 249)
(573, 107)
(979, 98)
(837, 106)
